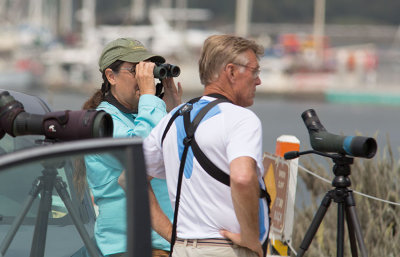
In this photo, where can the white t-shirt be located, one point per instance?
(226, 132)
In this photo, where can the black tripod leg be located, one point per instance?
(340, 230)
(40, 233)
(351, 209)
(36, 186)
(350, 228)
(63, 193)
(315, 224)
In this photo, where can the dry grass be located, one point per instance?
(379, 177)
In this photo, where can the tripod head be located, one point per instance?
(52, 164)
(340, 160)
(341, 169)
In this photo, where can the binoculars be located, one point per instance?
(163, 70)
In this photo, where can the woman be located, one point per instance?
(128, 95)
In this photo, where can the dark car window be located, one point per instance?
(16, 186)
(19, 172)
(25, 159)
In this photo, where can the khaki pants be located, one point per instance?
(209, 248)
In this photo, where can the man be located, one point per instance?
(215, 219)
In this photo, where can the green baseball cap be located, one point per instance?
(127, 50)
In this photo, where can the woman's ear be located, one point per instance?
(110, 75)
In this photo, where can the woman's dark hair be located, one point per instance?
(79, 177)
(100, 94)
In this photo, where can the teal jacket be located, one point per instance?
(103, 171)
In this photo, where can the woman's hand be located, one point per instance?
(145, 78)
(172, 94)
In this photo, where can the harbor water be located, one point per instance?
(282, 116)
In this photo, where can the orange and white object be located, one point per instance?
(286, 143)
(281, 180)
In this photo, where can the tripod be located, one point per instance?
(44, 185)
(346, 205)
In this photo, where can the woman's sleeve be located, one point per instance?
(151, 110)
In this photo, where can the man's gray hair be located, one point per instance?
(219, 50)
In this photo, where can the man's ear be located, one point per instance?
(230, 70)
(110, 76)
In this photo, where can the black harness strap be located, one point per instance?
(190, 128)
(208, 166)
(204, 161)
(178, 194)
(184, 108)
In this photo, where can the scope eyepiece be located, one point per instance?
(311, 121)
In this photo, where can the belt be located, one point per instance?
(205, 242)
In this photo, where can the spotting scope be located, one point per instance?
(60, 126)
(323, 141)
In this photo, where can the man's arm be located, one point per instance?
(245, 196)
